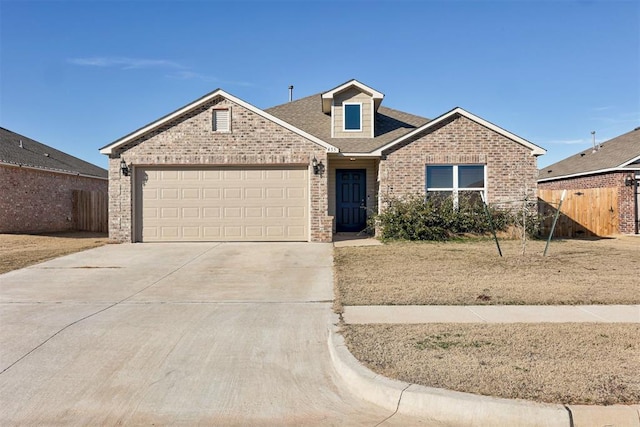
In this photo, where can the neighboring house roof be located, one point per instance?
(109, 149)
(306, 114)
(620, 153)
(18, 150)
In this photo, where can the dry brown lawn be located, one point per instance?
(603, 271)
(573, 363)
(554, 363)
(22, 250)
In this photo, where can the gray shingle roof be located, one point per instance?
(37, 155)
(615, 153)
(306, 114)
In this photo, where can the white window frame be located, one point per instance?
(214, 123)
(455, 190)
(344, 116)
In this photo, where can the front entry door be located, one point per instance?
(351, 193)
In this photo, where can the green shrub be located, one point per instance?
(436, 218)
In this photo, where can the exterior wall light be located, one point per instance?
(124, 168)
(318, 167)
(629, 181)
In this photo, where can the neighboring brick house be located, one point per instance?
(222, 169)
(613, 165)
(37, 182)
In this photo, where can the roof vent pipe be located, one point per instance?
(21, 146)
(290, 93)
(593, 137)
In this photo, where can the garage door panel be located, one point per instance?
(253, 212)
(169, 213)
(274, 193)
(295, 212)
(253, 193)
(211, 233)
(296, 232)
(193, 175)
(224, 204)
(275, 212)
(211, 193)
(191, 232)
(150, 213)
(231, 175)
(169, 194)
(169, 232)
(190, 213)
(191, 193)
(169, 175)
(232, 193)
(254, 175)
(211, 213)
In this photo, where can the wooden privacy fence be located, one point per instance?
(90, 211)
(584, 213)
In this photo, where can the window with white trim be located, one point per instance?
(455, 180)
(222, 120)
(352, 117)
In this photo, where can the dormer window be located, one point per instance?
(353, 117)
(352, 107)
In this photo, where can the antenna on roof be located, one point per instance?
(290, 93)
(593, 137)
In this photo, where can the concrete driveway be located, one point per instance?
(181, 334)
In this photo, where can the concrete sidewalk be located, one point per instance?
(491, 314)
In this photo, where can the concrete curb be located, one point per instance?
(465, 409)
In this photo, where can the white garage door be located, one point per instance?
(222, 204)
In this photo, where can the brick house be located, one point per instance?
(613, 165)
(37, 182)
(221, 169)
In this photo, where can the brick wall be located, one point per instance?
(37, 201)
(626, 206)
(510, 166)
(190, 140)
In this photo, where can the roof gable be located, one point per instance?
(327, 97)
(621, 152)
(535, 150)
(18, 150)
(110, 149)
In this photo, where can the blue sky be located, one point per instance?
(77, 75)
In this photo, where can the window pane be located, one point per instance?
(471, 176)
(352, 117)
(439, 176)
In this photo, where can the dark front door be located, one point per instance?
(351, 193)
